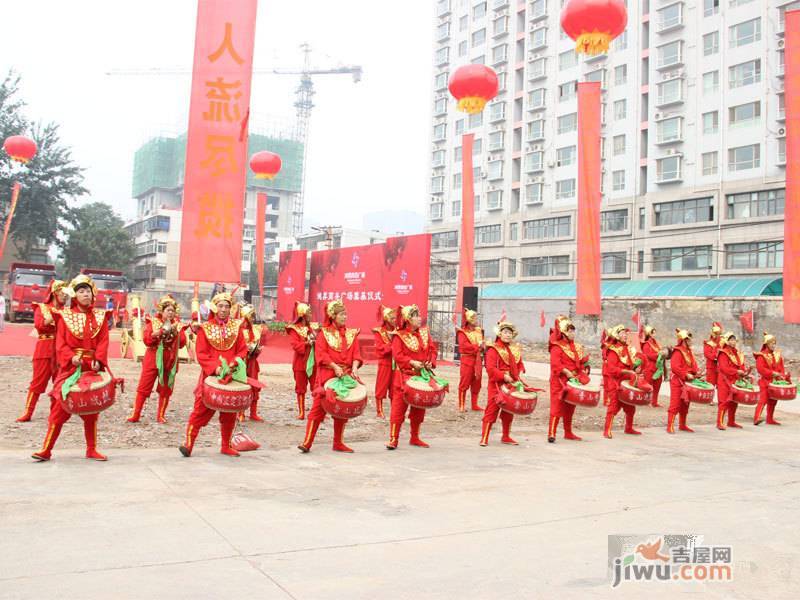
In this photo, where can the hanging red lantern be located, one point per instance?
(593, 24)
(265, 165)
(20, 148)
(473, 86)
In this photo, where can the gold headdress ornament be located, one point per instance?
(167, 301)
(469, 314)
(302, 309)
(683, 334)
(246, 310)
(221, 297)
(386, 312)
(333, 307)
(768, 337)
(727, 336)
(506, 325)
(407, 311)
(716, 328)
(616, 331)
(57, 285)
(79, 281)
(564, 323)
(649, 330)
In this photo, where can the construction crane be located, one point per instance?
(304, 102)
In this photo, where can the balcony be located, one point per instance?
(443, 8)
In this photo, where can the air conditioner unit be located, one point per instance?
(658, 116)
(551, 164)
(782, 132)
(673, 152)
(537, 147)
(781, 44)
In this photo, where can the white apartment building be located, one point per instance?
(693, 140)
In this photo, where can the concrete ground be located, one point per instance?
(452, 521)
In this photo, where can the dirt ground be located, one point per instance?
(281, 429)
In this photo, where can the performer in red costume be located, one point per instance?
(337, 353)
(383, 350)
(255, 337)
(731, 367)
(469, 338)
(684, 368)
(218, 338)
(301, 334)
(503, 365)
(45, 365)
(567, 360)
(81, 343)
(605, 340)
(163, 336)
(651, 350)
(711, 348)
(769, 364)
(413, 349)
(619, 367)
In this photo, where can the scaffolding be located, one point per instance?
(441, 304)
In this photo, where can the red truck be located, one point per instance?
(110, 284)
(27, 285)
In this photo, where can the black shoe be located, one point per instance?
(185, 451)
(551, 440)
(303, 449)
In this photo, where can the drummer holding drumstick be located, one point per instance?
(618, 367)
(567, 361)
(683, 366)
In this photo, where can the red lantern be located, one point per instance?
(20, 148)
(265, 165)
(593, 24)
(473, 86)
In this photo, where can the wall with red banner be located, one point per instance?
(291, 282)
(406, 271)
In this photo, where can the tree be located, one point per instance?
(49, 182)
(270, 276)
(97, 239)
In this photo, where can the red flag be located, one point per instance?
(636, 319)
(503, 315)
(542, 321)
(747, 321)
(261, 217)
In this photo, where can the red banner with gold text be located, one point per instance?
(291, 282)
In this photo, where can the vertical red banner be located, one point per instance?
(588, 284)
(791, 232)
(216, 148)
(291, 282)
(466, 259)
(14, 197)
(406, 271)
(261, 217)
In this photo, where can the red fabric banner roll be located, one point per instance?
(291, 283)
(261, 216)
(466, 256)
(791, 233)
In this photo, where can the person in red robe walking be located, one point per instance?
(163, 336)
(302, 333)
(683, 366)
(651, 352)
(383, 350)
(567, 361)
(256, 338)
(619, 367)
(219, 338)
(711, 348)
(337, 353)
(81, 347)
(769, 364)
(503, 365)
(44, 361)
(731, 367)
(469, 338)
(413, 349)
(605, 340)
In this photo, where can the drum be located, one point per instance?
(345, 408)
(699, 394)
(743, 395)
(516, 402)
(782, 391)
(582, 394)
(226, 397)
(635, 395)
(420, 394)
(92, 394)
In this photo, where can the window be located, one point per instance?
(669, 130)
(621, 43)
(566, 156)
(754, 255)
(618, 181)
(710, 122)
(463, 23)
(513, 231)
(501, 81)
(565, 189)
(642, 217)
(669, 54)
(538, 8)
(684, 212)
(477, 147)
(619, 145)
(437, 209)
(781, 151)
(442, 7)
(567, 60)
(488, 234)
(443, 32)
(496, 139)
(598, 75)
(440, 81)
(545, 266)
(499, 53)
(477, 203)
(497, 111)
(442, 56)
(614, 263)
(620, 110)
(744, 157)
(444, 239)
(512, 267)
(735, 3)
(494, 200)
(437, 184)
(456, 181)
(438, 158)
(536, 99)
(745, 33)
(670, 16)
(533, 193)
(620, 74)
(439, 131)
(744, 114)
(487, 269)
(691, 258)
(755, 204)
(475, 120)
(459, 126)
(668, 169)
(536, 130)
(457, 154)
(537, 68)
(534, 161)
(463, 46)
(710, 163)
(538, 38)
(710, 7)
(495, 169)
(500, 26)
(670, 91)
(640, 261)
(711, 43)
(614, 220)
(711, 82)
(567, 91)
(478, 37)
(479, 11)
(545, 229)
(745, 73)
(568, 123)
(440, 106)
(455, 210)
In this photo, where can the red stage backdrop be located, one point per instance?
(791, 235)
(406, 271)
(291, 282)
(588, 284)
(216, 149)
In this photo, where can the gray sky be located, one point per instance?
(369, 144)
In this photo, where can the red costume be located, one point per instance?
(44, 361)
(216, 338)
(501, 359)
(564, 354)
(604, 342)
(711, 349)
(256, 338)
(383, 350)
(408, 344)
(335, 345)
(162, 349)
(730, 368)
(651, 350)
(469, 338)
(301, 335)
(769, 364)
(618, 360)
(684, 368)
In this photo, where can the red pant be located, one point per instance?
(470, 378)
(316, 416)
(491, 413)
(678, 405)
(200, 417)
(764, 400)
(302, 381)
(559, 410)
(58, 416)
(399, 408)
(44, 369)
(614, 406)
(383, 381)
